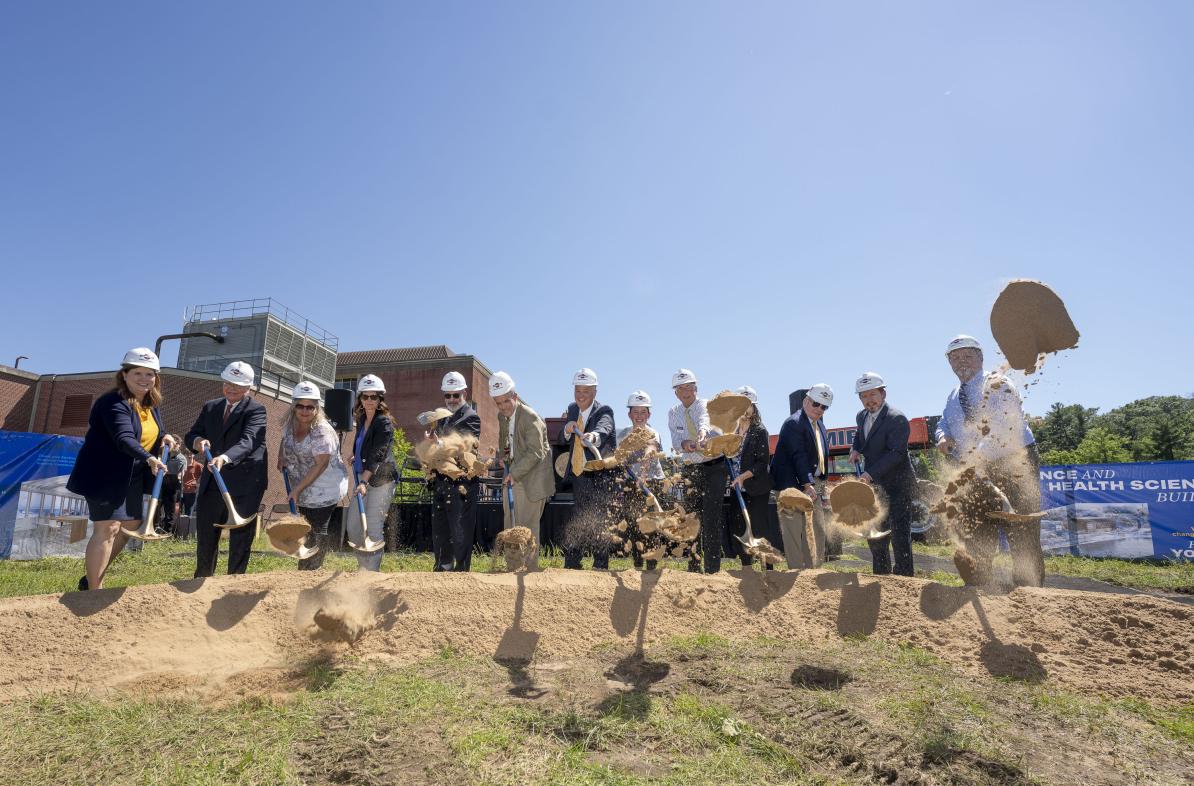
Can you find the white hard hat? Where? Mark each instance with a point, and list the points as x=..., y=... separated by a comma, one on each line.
x=238, y=372
x=305, y=390
x=639, y=398
x=683, y=377
x=585, y=376
x=963, y=342
x=821, y=393
x=749, y=392
x=143, y=357
x=500, y=384
x=453, y=382
x=370, y=384
x=869, y=381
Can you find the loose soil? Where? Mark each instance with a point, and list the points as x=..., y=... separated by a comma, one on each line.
x=203, y=633
x=1028, y=321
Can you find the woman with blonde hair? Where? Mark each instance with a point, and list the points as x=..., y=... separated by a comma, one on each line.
x=119, y=458
x=310, y=455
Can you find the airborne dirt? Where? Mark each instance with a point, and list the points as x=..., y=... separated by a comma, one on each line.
x=1028, y=321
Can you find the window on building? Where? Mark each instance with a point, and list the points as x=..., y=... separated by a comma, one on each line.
x=75, y=410
x=347, y=383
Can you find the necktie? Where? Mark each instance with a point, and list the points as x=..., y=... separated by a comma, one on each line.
x=866, y=427
x=690, y=425
x=578, y=450
x=820, y=450
x=227, y=413
x=965, y=400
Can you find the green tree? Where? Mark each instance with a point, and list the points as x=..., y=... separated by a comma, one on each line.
x=403, y=448
x=1063, y=427
x=1156, y=428
x=1100, y=446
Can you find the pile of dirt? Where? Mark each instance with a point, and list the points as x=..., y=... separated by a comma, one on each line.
x=1028, y=321
x=204, y=634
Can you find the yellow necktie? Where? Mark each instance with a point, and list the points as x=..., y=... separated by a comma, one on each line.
x=578, y=449
x=820, y=450
x=692, y=429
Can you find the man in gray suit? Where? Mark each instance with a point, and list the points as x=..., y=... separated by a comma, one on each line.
x=526, y=455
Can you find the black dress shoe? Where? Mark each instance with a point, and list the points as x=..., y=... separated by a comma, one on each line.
x=83, y=585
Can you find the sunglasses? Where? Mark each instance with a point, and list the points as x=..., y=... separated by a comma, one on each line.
x=368, y=397
x=452, y=395
x=819, y=406
x=305, y=407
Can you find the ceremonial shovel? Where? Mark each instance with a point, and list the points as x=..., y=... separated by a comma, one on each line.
x=369, y=545
x=236, y=521
x=293, y=527
x=146, y=530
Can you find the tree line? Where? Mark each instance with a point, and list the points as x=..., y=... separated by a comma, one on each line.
x=1159, y=428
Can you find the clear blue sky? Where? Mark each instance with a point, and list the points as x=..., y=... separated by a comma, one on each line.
x=768, y=193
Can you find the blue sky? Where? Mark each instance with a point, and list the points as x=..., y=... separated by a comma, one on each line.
x=774, y=194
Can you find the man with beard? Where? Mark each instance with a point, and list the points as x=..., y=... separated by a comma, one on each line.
x=453, y=516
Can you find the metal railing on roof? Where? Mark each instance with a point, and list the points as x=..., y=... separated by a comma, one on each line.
x=240, y=309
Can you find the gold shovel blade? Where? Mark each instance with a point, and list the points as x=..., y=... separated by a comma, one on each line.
x=146, y=530
x=235, y=521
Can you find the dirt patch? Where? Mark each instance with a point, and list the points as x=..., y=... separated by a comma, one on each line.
x=1028, y=321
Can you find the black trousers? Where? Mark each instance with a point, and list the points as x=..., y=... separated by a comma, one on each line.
x=318, y=518
x=171, y=490
x=632, y=505
x=591, y=496
x=704, y=491
x=899, y=521
x=212, y=511
x=454, y=523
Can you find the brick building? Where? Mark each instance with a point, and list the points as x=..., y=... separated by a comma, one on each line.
x=412, y=377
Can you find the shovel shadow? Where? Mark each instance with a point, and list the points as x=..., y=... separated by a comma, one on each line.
x=517, y=648
x=229, y=610
x=759, y=589
x=635, y=670
x=1010, y=661
x=84, y=604
x=858, y=609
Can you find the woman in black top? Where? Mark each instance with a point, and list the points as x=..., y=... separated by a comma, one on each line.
x=753, y=478
x=373, y=461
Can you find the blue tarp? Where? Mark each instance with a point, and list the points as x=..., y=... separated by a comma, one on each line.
x=26, y=457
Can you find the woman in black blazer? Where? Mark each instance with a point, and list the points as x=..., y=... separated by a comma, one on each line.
x=754, y=478
x=118, y=460
x=373, y=464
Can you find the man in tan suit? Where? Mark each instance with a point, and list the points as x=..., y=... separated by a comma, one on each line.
x=522, y=444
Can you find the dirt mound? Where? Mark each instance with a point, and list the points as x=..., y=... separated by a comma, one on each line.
x=206, y=634
x=1029, y=321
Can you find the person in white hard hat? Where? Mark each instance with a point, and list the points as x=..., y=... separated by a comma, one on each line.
x=119, y=459
x=589, y=432
x=648, y=470
x=233, y=428
x=983, y=426
x=801, y=461
x=753, y=468
x=526, y=459
x=705, y=479
x=309, y=453
x=373, y=466
x=453, y=515
x=881, y=448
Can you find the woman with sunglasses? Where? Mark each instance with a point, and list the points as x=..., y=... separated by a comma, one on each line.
x=753, y=479
x=310, y=454
x=119, y=459
x=373, y=463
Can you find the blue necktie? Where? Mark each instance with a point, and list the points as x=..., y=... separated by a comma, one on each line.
x=965, y=401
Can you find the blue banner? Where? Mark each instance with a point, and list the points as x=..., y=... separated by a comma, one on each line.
x=28, y=457
x=1119, y=510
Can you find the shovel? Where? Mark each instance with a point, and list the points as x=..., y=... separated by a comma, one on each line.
x=749, y=540
x=509, y=493
x=643, y=488
x=874, y=535
x=369, y=545
x=146, y=530
x=236, y=521
x=303, y=552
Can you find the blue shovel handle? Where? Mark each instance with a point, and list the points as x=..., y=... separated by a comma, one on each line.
x=289, y=499
x=737, y=491
x=157, y=483
x=215, y=473
x=360, y=497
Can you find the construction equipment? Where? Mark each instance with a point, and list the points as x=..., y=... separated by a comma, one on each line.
x=235, y=520
x=146, y=530
x=287, y=535
x=368, y=545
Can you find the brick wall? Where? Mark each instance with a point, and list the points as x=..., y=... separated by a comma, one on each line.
x=16, y=398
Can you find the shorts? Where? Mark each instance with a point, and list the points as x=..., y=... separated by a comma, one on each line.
x=127, y=509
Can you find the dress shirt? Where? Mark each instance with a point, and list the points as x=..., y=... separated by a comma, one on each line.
x=996, y=407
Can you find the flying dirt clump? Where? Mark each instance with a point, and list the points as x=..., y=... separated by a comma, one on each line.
x=288, y=533
x=1028, y=321
x=516, y=546
x=723, y=445
x=726, y=409
x=453, y=455
x=794, y=499
x=854, y=503
x=342, y=614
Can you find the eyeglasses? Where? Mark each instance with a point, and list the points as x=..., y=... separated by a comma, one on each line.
x=305, y=407
x=453, y=395
x=819, y=405
x=368, y=397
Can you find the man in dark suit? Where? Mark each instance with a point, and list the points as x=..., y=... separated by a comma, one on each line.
x=589, y=427
x=800, y=461
x=233, y=428
x=454, y=515
x=881, y=442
